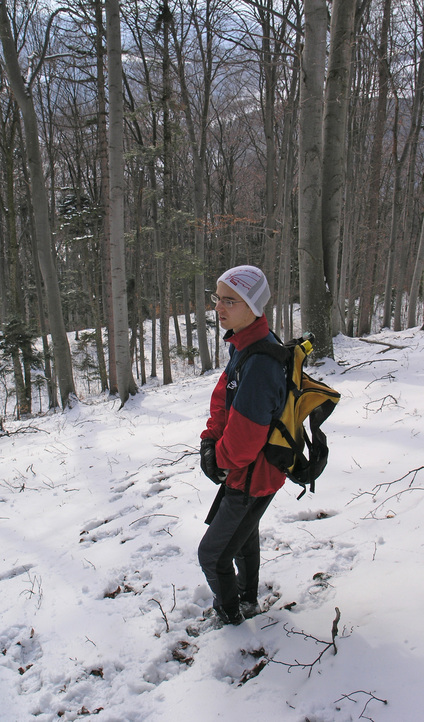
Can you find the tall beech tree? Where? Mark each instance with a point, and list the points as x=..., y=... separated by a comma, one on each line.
x=369, y=245
x=335, y=145
x=104, y=196
x=22, y=90
x=315, y=299
x=197, y=118
x=126, y=383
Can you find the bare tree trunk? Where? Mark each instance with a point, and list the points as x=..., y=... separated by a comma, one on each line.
x=153, y=371
x=366, y=296
x=268, y=104
x=405, y=208
x=93, y=285
x=271, y=56
x=50, y=380
x=315, y=301
x=416, y=281
x=283, y=292
x=334, y=152
x=126, y=383
x=21, y=406
x=104, y=185
x=164, y=261
x=24, y=99
x=141, y=345
x=198, y=147
x=48, y=372
x=396, y=212
x=187, y=316
x=285, y=182
x=346, y=263
x=15, y=314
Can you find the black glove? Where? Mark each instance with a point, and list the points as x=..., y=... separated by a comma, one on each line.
x=208, y=462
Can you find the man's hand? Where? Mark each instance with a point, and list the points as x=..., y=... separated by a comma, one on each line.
x=208, y=462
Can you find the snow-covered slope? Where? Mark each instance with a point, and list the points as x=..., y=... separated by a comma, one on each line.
x=101, y=512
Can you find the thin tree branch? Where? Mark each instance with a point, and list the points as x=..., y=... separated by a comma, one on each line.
x=328, y=645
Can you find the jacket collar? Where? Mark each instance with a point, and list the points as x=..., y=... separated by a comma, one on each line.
x=254, y=332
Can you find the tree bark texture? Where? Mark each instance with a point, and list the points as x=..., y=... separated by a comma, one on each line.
x=416, y=280
x=314, y=299
x=369, y=253
x=334, y=153
x=402, y=206
x=104, y=185
x=198, y=149
x=126, y=383
x=24, y=99
x=165, y=230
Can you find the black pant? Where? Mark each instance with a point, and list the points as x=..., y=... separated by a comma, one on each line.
x=233, y=535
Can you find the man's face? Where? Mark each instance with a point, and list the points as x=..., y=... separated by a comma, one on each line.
x=235, y=317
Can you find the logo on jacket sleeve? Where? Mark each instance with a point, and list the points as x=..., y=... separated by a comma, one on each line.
x=232, y=385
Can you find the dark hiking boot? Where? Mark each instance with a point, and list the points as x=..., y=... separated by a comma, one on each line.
x=234, y=617
x=250, y=609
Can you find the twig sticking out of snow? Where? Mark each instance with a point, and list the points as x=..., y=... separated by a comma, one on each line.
x=370, y=695
x=386, y=485
x=327, y=645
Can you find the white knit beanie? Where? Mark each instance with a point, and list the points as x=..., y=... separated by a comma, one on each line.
x=251, y=284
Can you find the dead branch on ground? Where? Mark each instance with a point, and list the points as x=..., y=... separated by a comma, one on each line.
x=165, y=618
x=148, y=516
x=371, y=697
x=28, y=429
x=386, y=377
x=386, y=485
x=164, y=615
x=327, y=646
x=383, y=343
x=366, y=363
x=182, y=454
x=391, y=401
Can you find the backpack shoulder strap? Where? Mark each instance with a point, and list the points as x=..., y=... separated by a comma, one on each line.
x=275, y=350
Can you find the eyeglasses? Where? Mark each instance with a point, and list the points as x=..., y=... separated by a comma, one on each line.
x=228, y=302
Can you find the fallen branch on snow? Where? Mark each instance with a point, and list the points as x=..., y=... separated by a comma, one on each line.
x=386, y=485
x=327, y=646
x=148, y=516
x=387, y=400
x=383, y=343
x=165, y=618
x=164, y=615
x=181, y=454
x=28, y=429
x=370, y=695
x=366, y=363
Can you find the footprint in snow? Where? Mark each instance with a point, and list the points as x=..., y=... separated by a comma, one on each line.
x=127, y=583
x=174, y=660
x=157, y=485
x=311, y=515
x=20, y=651
x=92, y=530
x=15, y=572
x=119, y=487
x=99, y=535
x=166, y=552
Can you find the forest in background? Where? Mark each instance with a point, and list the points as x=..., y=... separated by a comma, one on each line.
x=146, y=147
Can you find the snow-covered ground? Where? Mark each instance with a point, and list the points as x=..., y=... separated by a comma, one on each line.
x=101, y=512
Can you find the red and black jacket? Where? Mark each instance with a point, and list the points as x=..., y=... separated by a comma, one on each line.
x=241, y=410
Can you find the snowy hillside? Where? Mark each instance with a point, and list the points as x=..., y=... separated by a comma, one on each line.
x=101, y=512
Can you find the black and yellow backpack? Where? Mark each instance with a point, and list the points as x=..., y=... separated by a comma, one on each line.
x=289, y=447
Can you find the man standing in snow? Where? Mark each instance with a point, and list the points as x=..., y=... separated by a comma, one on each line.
x=242, y=408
